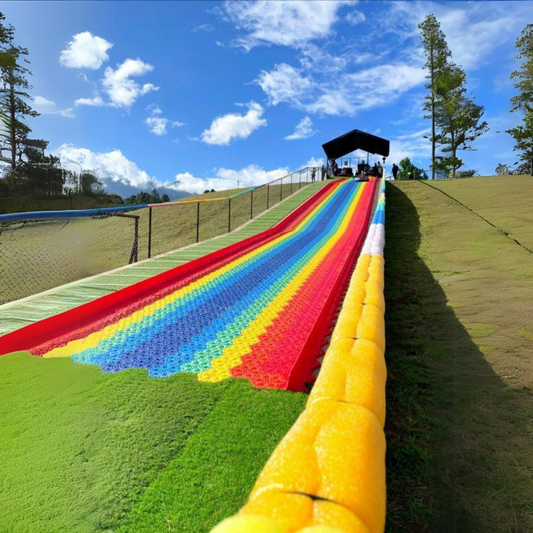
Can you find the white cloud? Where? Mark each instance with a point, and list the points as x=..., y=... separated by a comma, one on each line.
x=48, y=107
x=303, y=130
x=118, y=83
x=207, y=28
x=315, y=162
x=284, y=22
x=340, y=95
x=43, y=105
x=96, y=101
x=414, y=145
x=158, y=124
x=473, y=29
x=284, y=84
x=355, y=17
x=230, y=127
x=226, y=178
x=113, y=165
x=67, y=113
x=380, y=85
x=85, y=51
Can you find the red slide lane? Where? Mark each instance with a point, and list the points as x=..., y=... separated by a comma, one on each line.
x=79, y=322
x=267, y=365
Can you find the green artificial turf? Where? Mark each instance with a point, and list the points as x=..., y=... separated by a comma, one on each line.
x=213, y=475
x=80, y=449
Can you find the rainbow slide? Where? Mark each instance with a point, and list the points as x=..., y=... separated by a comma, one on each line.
x=259, y=309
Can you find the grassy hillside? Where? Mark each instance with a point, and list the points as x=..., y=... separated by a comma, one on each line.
x=21, y=204
x=514, y=214
x=459, y=344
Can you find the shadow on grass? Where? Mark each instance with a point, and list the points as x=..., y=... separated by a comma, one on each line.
x=449, y=416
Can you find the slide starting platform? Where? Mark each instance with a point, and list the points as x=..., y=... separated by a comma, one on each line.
x=259, y=309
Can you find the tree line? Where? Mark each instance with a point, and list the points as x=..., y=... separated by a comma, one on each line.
x=25, y=166
x=456, y=119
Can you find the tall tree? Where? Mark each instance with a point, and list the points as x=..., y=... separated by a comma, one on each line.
x=37, y=172
x=409, y=171
x=523, y=101
x=437, y=54
x=457, y=117
x=13, y=96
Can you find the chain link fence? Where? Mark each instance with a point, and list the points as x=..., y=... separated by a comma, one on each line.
x=40, y=251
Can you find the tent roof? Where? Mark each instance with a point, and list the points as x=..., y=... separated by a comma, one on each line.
x=355, y=140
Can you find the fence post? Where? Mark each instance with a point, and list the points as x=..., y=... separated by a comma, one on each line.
x=268, y=195
x=229, y=215
x=281, y=190
x=252, y=204
x=198, y=222
x=149, y=232
x=134, y=257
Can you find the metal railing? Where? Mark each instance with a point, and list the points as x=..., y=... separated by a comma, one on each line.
x=42, y=250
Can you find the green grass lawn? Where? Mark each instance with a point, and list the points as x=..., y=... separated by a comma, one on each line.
x=87, y=451
x=514, y=215
x=459, y=344
x=45, y=254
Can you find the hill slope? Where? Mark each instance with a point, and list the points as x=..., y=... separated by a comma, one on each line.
x=460, y=339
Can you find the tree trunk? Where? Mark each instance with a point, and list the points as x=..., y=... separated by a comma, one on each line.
x=454, y=153
x=12, y=129
x=432, y=115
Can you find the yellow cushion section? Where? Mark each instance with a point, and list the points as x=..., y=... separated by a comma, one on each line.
x=291, y=511
x=356, y=293
x=374, y=295
x=347, y=321
x=378, y=260
x=336, y=451
x=361, y=269
x=371, y=325
x=296, y=511
x=376, y=274
x=355, y=375
x=248, y=524
x=329, y=516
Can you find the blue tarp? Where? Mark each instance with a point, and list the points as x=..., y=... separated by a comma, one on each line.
x=77, y=213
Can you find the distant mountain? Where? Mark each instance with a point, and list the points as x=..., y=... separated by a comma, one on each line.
x=126, y=189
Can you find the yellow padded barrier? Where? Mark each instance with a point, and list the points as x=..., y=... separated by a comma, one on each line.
x=249, y=524
x=376, y=274
x=327, y=529
x=374, y=295
x=295, y=512
x=347, y=322
x=334, y=451
x=356, y=293
x=355, y=374
x=371, y=325
x=361, y=268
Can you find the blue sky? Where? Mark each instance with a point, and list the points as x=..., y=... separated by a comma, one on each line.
x=205, y=93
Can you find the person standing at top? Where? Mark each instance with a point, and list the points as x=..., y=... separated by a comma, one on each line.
x=379, y=169
x=395, y=169
x=323, y=171
x=313, y=174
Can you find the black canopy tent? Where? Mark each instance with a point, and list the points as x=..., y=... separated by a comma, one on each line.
x=356, y=140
